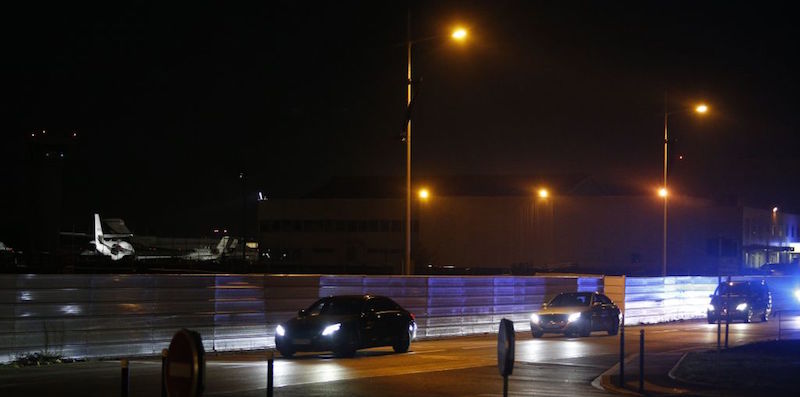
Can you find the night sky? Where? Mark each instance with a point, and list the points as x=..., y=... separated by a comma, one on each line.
x=172, y=102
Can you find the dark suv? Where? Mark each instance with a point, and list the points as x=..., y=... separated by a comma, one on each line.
x=740, y=301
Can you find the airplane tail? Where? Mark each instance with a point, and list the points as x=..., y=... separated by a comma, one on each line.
x=98, y=229
x=223, y=243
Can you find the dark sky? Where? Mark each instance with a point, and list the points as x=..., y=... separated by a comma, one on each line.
x=171, y=102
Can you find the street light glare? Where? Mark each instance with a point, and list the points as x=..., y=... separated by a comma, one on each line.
x=701, y=108
x=543, y=193
x=423, y=193
x=662, y=192
x=459, y=34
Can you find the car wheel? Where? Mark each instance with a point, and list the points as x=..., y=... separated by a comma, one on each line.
x=286, y=352
x=586, y=330
x=537, y=334
x=347, y=348
x=614, y=329
x=402, y=342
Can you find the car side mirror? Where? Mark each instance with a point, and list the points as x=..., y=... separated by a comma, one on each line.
x=597, y=304
x=544, y=305
x=301, y=312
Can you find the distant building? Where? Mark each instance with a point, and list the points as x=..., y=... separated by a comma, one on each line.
x=501, y=224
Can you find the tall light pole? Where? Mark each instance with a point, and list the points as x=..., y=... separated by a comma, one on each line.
x=664, y=191
x=458, y=34
x=407, y=269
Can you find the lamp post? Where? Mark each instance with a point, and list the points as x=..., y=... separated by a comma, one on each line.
x=458, y=34
x=664, y=191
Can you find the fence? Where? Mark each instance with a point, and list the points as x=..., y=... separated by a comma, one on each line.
x=134, y=315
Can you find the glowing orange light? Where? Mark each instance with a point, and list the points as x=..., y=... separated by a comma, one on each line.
x=424, y=194
x=662, y=192
x=459, y=34
x=702, y=108
x=543, y=193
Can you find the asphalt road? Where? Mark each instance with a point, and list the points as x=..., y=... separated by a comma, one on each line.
x=465, y=366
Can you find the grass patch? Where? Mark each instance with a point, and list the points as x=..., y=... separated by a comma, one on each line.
x=770, y=365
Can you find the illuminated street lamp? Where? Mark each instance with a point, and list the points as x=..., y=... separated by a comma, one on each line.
x=424, y=194
x=700, y=109
x=543, y=193
x=459, y=34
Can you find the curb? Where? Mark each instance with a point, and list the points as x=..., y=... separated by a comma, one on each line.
x=674, y=377
x=603, y=382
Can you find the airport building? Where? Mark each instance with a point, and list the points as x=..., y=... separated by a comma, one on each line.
x=485, y=225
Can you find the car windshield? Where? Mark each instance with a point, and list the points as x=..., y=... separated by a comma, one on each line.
x=733, y=289
x=335, y=306
x=571, y=299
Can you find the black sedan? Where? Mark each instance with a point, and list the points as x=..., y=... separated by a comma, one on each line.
x=576, y=313
x=740, y=301
x=344, y=324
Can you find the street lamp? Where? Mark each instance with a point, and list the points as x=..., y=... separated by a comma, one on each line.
x=424, y=194
x=543, y=193
x=459, y=34
x=663, y=191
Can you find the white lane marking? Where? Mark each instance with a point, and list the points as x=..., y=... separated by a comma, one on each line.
x=426, y=351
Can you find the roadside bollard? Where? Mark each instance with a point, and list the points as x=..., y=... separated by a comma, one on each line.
x=641, y=361
x=727, y=312
x=164, y=354
x=622, y=353
x=270, y=360
x=125, y=377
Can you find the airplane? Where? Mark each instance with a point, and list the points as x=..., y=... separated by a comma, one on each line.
x=208, y=254
x=204, y=254
x=111, y=245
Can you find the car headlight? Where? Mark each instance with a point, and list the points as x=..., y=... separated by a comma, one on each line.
x=797, y=294
x=535, y=318
x=280, y=331
x=711, y=308
x=741, y=307
x=331, y=329
x=574, y=317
